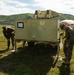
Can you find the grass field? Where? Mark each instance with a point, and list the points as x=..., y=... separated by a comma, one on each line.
x=36, y=60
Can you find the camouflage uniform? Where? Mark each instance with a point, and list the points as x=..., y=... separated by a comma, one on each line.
x=9, y=34
x=70, y=41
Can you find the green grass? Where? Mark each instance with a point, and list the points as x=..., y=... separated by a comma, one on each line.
x=36, y=60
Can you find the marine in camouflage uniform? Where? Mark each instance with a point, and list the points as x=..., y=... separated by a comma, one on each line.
x=68, y=43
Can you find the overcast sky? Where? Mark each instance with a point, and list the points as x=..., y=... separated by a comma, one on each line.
x=9, y=7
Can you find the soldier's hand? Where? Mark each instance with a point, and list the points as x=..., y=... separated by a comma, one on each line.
x=13, y=32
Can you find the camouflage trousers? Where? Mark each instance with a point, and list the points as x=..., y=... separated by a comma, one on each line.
x=68, y=50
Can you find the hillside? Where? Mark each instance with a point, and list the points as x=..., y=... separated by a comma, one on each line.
x=66, y=16
x=10, y=19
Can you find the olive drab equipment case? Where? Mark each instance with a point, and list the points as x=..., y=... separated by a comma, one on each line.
x=41, y=28
x=45, y=14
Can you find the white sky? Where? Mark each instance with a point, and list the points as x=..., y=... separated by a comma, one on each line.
x=9, y=7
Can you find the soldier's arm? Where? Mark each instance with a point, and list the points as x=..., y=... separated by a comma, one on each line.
x=5, y=34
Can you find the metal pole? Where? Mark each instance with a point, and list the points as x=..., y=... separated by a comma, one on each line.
x=15, y=46
x=57, y=55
